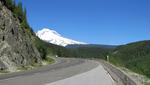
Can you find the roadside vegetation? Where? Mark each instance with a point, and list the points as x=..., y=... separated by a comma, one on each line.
x=90, y=52
x=134, y=56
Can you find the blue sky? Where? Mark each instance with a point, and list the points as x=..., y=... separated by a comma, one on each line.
x=93, y=21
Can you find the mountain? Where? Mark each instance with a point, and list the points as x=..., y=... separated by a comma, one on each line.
x=53, y=37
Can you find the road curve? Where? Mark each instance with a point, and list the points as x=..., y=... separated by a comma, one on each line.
x=58, y=73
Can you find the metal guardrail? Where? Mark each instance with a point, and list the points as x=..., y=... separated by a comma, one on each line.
x=119, y=77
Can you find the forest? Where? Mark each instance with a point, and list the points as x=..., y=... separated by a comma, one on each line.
x=134, y=56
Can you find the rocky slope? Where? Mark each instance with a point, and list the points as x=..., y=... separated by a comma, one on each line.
x=16, y=46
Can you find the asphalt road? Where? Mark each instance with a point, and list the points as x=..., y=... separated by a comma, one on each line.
x=63, y=70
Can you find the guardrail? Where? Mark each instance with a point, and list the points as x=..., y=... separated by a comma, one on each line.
x=120, y=77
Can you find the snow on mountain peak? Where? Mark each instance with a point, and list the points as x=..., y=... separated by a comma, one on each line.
x=46, y=30
x=54, y=37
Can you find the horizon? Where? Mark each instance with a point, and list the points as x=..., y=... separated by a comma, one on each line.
x=109, y=23
x=89, y=43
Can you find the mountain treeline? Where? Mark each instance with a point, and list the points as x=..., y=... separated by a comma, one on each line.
x=134, y=56
x=90, y=52
x=79, y=52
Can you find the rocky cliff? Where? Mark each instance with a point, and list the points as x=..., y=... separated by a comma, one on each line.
x=16, y=46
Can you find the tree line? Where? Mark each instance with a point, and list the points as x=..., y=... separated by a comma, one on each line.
x=18, y=11
x=134, y=56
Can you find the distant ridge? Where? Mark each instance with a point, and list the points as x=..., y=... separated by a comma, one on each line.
x=91, y=45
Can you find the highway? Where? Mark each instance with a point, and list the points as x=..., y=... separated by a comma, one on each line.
x=63, y=72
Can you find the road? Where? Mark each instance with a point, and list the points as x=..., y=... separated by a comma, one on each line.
x=64, y=72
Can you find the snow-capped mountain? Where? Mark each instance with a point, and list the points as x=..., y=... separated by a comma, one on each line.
x=53, y=37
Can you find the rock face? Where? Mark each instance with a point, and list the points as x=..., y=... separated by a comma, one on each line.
x=16, y=46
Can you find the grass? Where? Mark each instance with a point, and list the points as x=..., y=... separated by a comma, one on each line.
x=47, y=61
x=146, y=83
x=3, y=71
x=142, y=78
